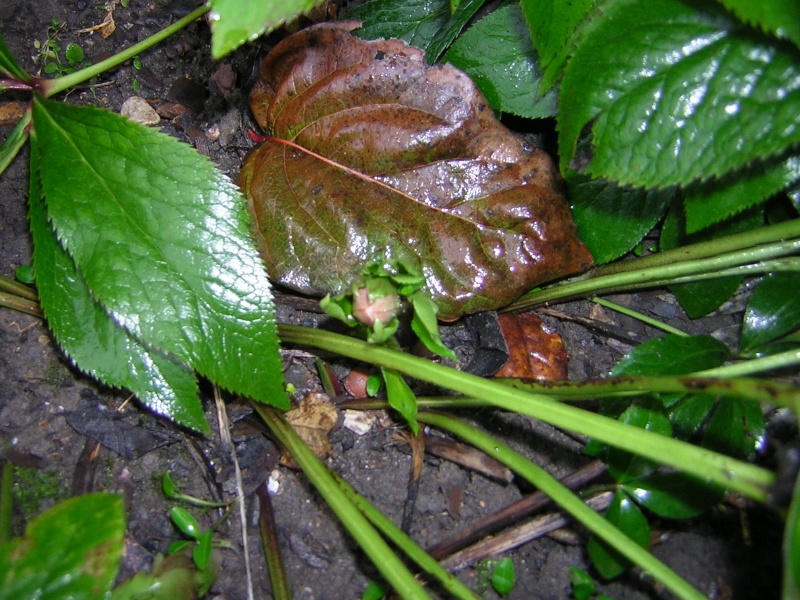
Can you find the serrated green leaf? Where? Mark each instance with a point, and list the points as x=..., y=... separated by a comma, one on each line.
x=92, y=339
x=498, y=55
x=70, y=551
x=623, y=513
x=426, y=24
x=773, y=310
x=234, y=22
x=674, y=495
x=162, y=241
x=791, y=548
x=712, y=202
x=672, y=355
x=14, y=142
x=612, y=219
x=699, y=299
x=674, y=93
x=553, y=25
x=401, y=398
x=778, y=17
x=736, y=428
x=9, y=65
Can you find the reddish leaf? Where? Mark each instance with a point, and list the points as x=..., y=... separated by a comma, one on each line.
x=390, y=159
x=533, y=351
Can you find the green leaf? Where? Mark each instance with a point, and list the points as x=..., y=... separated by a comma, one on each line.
x=201, y=554
x=672, y=355
x=791, y=548
x=674, y=93
x=582, y=584
x=168, y=486
x=498, y=55
x=70, y=551
x=503, y=576
x=9, y=65
x=553, y=25
x=91, y=338
x=162, y=241
x=15, y=140
x=699, y=299
x=778, y=17
x=736, y=428
x=426, y=24
x=184, y=521
x=773, y=310
x=710, y=202
x=426, y=326
x=173, y=577
x=73, y=53
x=612, y=219
x=623, y=513
x=646, y=414
x=234, y=22
x=373, y=591
x=401, y=398
x=689, y=413
x=674, y=495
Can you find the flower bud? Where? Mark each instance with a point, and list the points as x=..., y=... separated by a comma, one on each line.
x=381, y=309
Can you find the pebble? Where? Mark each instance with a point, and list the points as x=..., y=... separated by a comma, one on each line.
x=139, y=111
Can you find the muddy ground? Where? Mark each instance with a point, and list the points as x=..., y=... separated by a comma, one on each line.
x=81, y=436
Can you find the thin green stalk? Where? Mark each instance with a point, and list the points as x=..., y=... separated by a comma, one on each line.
x=624, y=310
x=704, y=464
x=429, y=564
x=24, y=305
x=781, y=360
x=6, y=502
x=568, y=501
x=18, y=289
x=49, y=87
x=749, y=261
x=382, y=556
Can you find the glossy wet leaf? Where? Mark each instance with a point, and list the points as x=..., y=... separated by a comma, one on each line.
x=534, y=350
x=391, y=160
x=688, y=414
x=673, y=495
x=673, y=93
x=773, y=311
x=498, y=55
x=623, y=513
x=431, y=25
x=184, y=521
x=672, y=355
x=736, y=428
x=646, y=414
x=92, y=339
x=162, y=242
x=612, y=219
x=234, y=22
x=401, y=398
x=778, y=17
x=70, y=551
x=553, y=25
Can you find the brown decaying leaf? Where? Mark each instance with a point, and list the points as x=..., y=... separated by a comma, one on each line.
x=313, y=420
x=388, y=158
x=534, y=352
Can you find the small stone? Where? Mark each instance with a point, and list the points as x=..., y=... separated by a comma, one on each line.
x=139, y=111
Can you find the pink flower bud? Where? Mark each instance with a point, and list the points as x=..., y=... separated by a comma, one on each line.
x=381, y=309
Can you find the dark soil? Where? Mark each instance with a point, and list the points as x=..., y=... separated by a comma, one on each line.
x=57, y=421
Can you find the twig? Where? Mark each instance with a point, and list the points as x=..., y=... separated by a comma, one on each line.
x=272, y=547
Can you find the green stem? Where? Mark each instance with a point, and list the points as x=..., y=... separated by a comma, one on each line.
x=405, y=543
x=281, y=590
x=708, y=466
x=49, y=87
x=6, y=501
x=382, y=556
x=21, y=304
x=781, y=360
x=545, y=482
x=639, y=316
x=18, y=289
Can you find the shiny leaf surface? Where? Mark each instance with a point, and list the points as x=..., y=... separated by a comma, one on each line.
x=162, y=242
x=70, y=551
x=674, y=495
x=778, y=17
x=773, y=310
x=623, y=513
x=736, y=428
x=674, y=92
x=672, y=355
x=390, y=160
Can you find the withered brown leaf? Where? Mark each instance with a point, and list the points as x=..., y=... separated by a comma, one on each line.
x=375, y=156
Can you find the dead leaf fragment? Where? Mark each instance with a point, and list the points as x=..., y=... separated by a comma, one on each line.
x=534, y=352
x=11, y=113
x=376, y=156
x=313, y=420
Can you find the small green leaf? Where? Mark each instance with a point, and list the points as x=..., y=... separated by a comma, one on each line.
x=646, y=414
x=201, y=554
x=25, y=274
x=672, y=355
x=773, y=310
x=137, y=63
x=498, y=55
x=623, y=513
x=426, y=326
x=504, y=576
x=736, y=428
x=178, y=545
x=674, y=495
x=70, y=551
x=666, y=85
x=73, y=53
x=611, y=219
x=168, y=486
x=184, y=521
x=778, y=17
x=373, y=591
x=688, y=414
x=373, y=385
x=162, y=241
x=582, y=584
x=234, y=22
x=9, y=65
x=401, y=398
x=791, y=548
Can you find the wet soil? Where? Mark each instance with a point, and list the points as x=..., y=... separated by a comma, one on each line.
x=57, y=421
